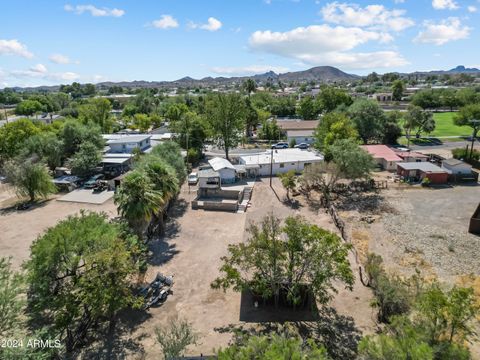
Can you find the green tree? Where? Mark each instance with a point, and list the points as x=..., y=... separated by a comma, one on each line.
x=164, y=179
x=289, y=181
x=137, y=201
x=74, y=133
x=278, y=260
x=269, y=130
x=97, y=111
x=273, y=347
x=175, y=338
x=418, y=121
x=368, y=118
x=307, y=108
x=86, y=159
x=398, y=88
x=142, y=122
x=249, y=86
x=391, y=127
x=29, y=107
x=466, y=115
x=332, y=127
x=13, y=137
x=29, y=178
x=427, y=99
x=47, y=146
x=80, y=271
x=330, y=98
x=11, y=299
x=226, y=115
x=352, y=161
x=171, y=153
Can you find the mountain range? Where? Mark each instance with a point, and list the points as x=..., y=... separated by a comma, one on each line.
x=326, y=74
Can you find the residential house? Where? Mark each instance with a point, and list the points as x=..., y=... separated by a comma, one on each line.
x=297, y=124
x=125, y=144
x=283, y=160
x=384, y=156
x=417, y=171
x=301, y=136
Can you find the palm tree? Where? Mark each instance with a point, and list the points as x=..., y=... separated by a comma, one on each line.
x=138, y=200
x=250, y=86
x=164, y=179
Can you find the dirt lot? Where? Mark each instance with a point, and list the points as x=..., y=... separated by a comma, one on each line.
x=425, y=229
x=410, y=228
x=191, y=251
x=18, y=229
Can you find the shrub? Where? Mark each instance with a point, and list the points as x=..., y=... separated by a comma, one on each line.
x=292, y=143
x=464, y=154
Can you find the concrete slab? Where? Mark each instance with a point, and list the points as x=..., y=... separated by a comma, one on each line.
x=87, y=196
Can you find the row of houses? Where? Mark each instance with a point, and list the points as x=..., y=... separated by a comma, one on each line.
x=415, y=166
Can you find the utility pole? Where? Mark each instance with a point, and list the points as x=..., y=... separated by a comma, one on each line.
x=271, y=166
x=476, y=125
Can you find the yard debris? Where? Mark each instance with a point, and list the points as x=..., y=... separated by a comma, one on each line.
x=157, y=291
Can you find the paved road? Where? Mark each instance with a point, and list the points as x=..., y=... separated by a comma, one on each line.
x=445, y=145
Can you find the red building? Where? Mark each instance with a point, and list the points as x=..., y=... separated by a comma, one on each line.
x=417, y=171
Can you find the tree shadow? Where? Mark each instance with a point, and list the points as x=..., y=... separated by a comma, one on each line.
x=23, y=207
x=117, y=343
x=161, y=247
x=338, y=333
x=371, y=202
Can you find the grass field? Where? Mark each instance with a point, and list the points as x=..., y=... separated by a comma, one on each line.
x=446, y=127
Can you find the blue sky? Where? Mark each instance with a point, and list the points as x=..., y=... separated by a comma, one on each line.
x=51, y=41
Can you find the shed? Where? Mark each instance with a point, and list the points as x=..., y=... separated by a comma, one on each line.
x=417, y=171
x=224, y=168
x=456, y=167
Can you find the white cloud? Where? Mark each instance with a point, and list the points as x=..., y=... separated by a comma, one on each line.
x=326, y=45
x=39, y=68
x=440, y=33
x=314, y=38
x=165, y=22
x=373, y=16
x=94, y=11
x=40, y=72
x=60, y=59
x=444, y=4
x=249, y=70
x=14, y=47
x=211, y=25
x=472, y=9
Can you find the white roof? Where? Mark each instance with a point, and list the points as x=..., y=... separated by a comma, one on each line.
x=422, y=166
x=282, y=156
x=218, y=163
x=129, y=139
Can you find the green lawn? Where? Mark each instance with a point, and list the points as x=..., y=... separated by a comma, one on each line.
x=446, y=127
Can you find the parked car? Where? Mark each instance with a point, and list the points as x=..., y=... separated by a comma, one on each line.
x=193, y=178
x=280, y=145
x=90, y=184
x=301, y=146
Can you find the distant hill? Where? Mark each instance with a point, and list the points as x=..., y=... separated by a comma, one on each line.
x=460, y=69
x=319, y=74
x=324, y=74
